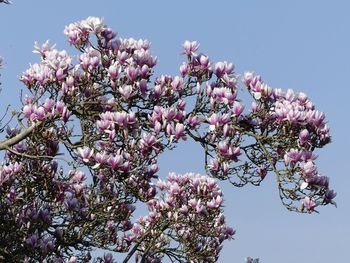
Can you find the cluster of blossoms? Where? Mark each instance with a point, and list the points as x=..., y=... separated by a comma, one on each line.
x=303, y=162
x=290, y=109
x=190, y=211
x=103, y=114
x=302, y=128
x=170, y=120
x=53, y=67
x=7, y=172
x=78, y=33
x=49, y=109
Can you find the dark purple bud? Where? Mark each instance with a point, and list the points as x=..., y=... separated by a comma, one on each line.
x=32, y=240
x=108, y=258
x=72, y=204
x=330, y=195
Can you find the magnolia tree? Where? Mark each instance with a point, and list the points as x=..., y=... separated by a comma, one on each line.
x=83, y=152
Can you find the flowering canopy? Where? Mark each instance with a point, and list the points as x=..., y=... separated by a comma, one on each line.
x=96, y=125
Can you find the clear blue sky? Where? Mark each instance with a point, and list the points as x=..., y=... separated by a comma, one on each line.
x=304, y=45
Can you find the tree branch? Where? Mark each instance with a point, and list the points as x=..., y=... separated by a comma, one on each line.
x=4, y=145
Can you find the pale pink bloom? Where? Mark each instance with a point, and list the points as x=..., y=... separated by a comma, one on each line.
x=180, y=131
x=93, y=24
x=190, y=47
x=39, y=114
x=237, y=108
x=292, y=156
x=132, y=73
x=28, y=110
x=177, y=83
x=304, y=136
x=193, y=121
x=290, y=95
x=309, y=169
x=278, y=94
x=72, y=260
x=215, y=202
x=116, y=161
x=222, y=68
x=85, y=153
x=302, y=97
x=248, y=77
x=184, y=70
x=214, y=165
x=101, y=158
x=120, y=118
x=309, y=204
x=114, y=70
x=143, y=86
x=214, y=121
x=147, y=142
x=126, y=91
x=49, y=105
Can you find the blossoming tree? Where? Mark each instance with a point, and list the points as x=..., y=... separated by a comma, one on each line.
x=84, y=151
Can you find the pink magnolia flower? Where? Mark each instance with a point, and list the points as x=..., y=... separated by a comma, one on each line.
x=278, y=94
x=126, y=91
x=114, y=70
x=108, y=258
x=66, y=114
x=292, y=156
x=214, y=121
x=193, y=121
x=290, y=95
x=180, y=131
x=215, y=202
x=147, y=143
x=309, y=204
x=304, y=137
x=204, y=62
x=117, y=161
x=302, y=98
x=214, y=166
x=49, y=105
x=224, y=95
x=101, y=158
x=93, y=24
x=237, y=108
x=28, y=110
x=132, y=73
x=85, y=153
x=90, y=59
x=230, y=151
x=184, y=69
x=222, y=68
x=73, y=260
x=309, y=169
x=190, y=47
x=143, y=86
x=177, y=83
x=78, y=177
x=39, y=114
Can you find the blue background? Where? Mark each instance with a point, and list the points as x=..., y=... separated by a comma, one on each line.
x=304, y=45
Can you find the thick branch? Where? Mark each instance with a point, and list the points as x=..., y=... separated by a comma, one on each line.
x=4, y=145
